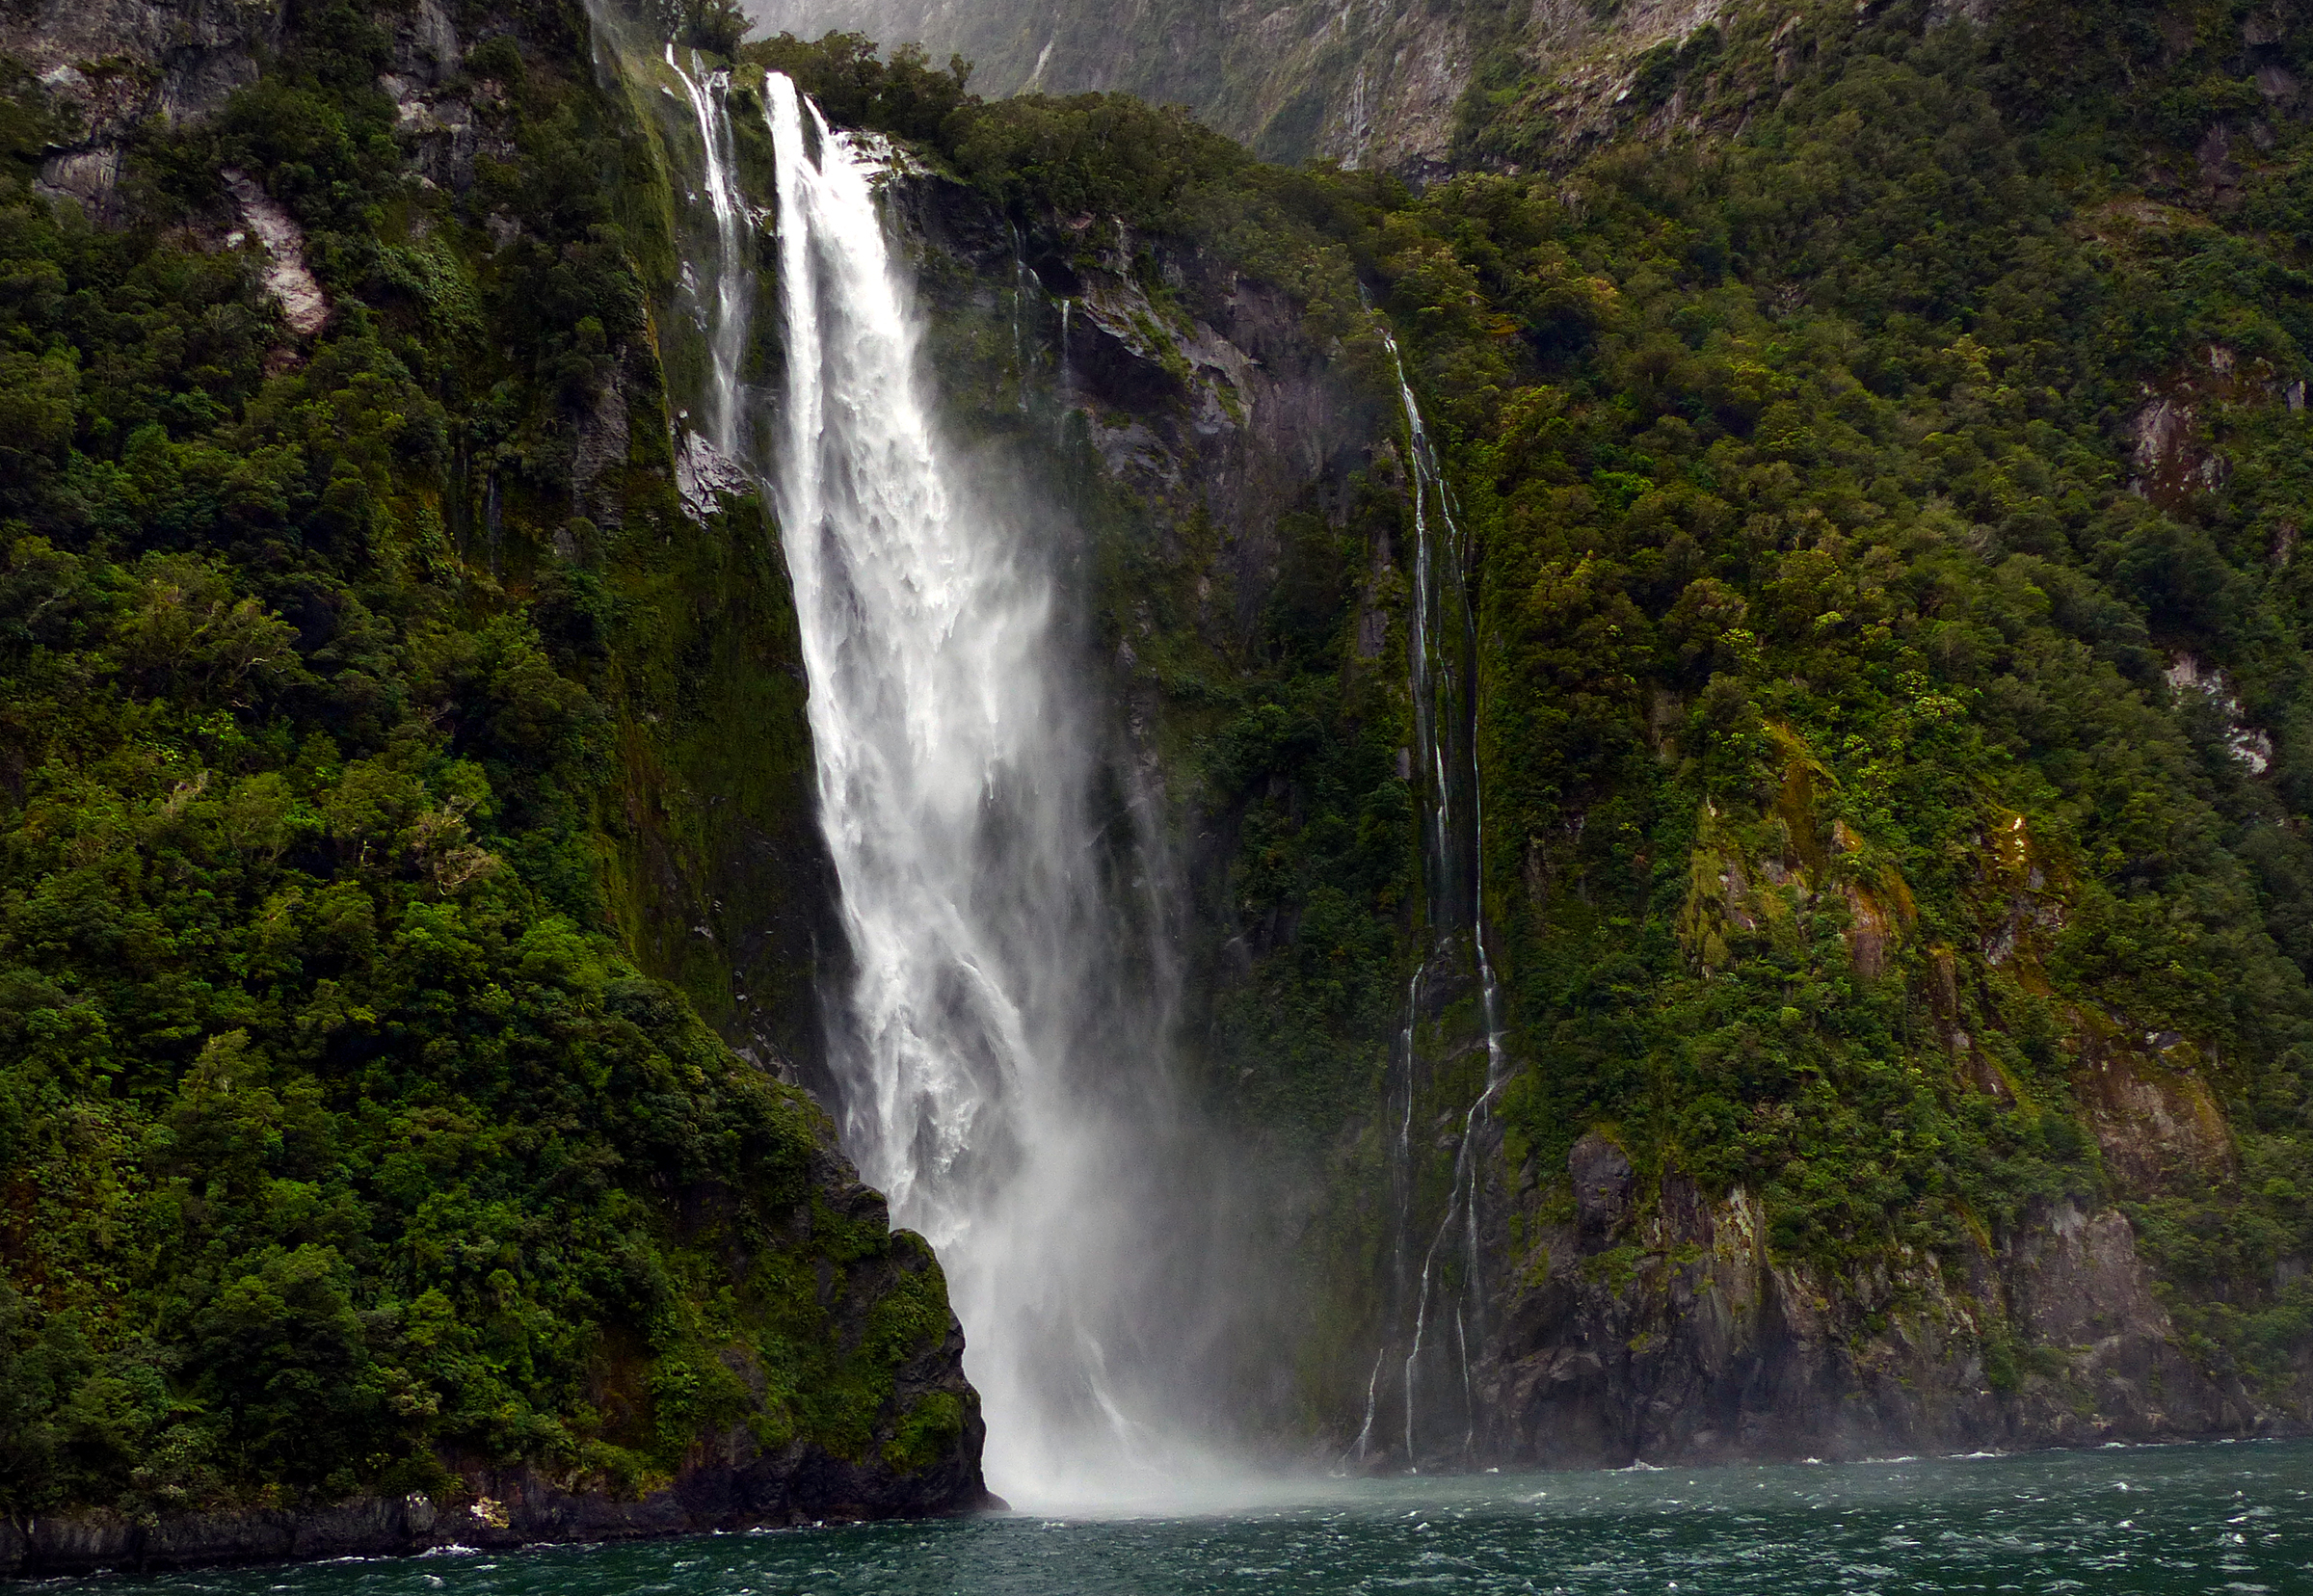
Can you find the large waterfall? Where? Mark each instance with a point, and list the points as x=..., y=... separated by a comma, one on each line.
x=998, y=1051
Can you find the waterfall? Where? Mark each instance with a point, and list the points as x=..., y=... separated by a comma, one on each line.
x=1023, y=283
x=1442, y=660
x=995, y=1068
x=733, y=272
x=1068, y=376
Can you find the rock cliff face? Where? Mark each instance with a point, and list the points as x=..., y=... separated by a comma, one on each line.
x=1661, y=1331
x=1366, y=84
x=1224, y=416
x=1372, y=83
x=1624, y=1316
x=112, y=65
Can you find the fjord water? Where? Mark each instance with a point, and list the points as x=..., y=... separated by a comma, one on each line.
x=2146, y=1522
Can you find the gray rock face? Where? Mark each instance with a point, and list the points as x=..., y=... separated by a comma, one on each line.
x=1230, y=418
x=1661, y=1331
x=1603, y=1182
x=493, y=1510
x=441, y=114
x=1369, y=84
x=111, y=63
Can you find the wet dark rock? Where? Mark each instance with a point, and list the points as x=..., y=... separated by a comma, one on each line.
x=1228, y=416
x=1658, y=1327
x=1057, y=276
x=1602, y=1185
x=500, y=1510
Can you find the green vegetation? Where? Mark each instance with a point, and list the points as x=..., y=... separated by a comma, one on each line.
x=1848, y=826
x=343, y=1143
x=1870, y=435
x=1853, y=825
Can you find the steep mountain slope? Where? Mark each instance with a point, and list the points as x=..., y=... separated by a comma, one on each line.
x=1883, y=701
x=1370, y=83
x=1876, y=437
x=1873, y=449
x=377, y=720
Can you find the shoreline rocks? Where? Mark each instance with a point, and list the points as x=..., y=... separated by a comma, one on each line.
x=495, y=1510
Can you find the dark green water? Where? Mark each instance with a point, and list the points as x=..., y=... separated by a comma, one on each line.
x=2146, y=1521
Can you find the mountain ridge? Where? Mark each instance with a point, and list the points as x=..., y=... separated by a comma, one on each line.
x=1369, y=83
x=1877, y=440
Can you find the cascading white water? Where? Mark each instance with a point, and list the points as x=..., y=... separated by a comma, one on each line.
x=1443, y=632
x=990, y=1012
x=733, y=274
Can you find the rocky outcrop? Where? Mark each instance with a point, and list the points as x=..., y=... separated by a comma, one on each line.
x=287, y=278
x=493, y=1510
x=1224, y=416
x=446, y=116
x=110, y=63
x=1655, y=1326
x=2190, y=677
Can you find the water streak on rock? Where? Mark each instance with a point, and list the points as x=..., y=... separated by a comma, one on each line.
x=1442, y=660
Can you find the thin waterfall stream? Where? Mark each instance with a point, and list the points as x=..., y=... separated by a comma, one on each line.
x=1441, y=657
x=733, y=276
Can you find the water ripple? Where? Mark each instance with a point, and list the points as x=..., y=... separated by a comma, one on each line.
x=2147, y=1522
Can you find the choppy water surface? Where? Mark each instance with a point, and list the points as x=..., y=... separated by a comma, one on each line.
x=2145, y=1521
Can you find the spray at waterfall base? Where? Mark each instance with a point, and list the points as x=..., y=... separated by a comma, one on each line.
x=997, y=1046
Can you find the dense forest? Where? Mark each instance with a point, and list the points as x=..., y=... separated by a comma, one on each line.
x=347, y=1148
x=1878, y=435
x=1881, y=441
x=1884, y=443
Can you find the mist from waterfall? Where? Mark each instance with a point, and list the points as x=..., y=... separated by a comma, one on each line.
x=999, y=1046
x=999, y=1043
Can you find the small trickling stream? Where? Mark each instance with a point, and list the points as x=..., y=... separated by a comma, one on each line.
x=1439, y=1323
